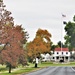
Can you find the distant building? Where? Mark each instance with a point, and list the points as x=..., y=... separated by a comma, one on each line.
x=61, y=53
x=46, y=57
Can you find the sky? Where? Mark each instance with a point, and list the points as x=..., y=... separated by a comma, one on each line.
x=44, y=14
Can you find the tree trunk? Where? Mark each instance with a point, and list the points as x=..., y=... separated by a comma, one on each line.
x=10, y=68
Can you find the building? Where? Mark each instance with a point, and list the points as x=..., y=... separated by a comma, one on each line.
x=46, y=57
x=61, y=54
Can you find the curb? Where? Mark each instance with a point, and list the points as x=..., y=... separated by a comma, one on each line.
x=73, y=69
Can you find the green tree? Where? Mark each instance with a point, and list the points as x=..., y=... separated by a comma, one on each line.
x=53, y=47
x=70, y=34
x=60, y=44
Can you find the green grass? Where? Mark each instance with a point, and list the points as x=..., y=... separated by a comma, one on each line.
x=72, y=63
x=3, y=68
x=30, y=68
x=19, y=70
x=44, y=64
x=24, y=70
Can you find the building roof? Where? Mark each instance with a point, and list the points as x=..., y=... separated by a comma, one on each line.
x=61, y=49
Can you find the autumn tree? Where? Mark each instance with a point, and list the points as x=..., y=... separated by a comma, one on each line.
x=12, y=38
x=40, y=44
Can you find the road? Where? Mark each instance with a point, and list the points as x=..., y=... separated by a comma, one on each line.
x=53, y=71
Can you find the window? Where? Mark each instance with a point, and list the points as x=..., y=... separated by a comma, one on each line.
x=67, y=58
x=62, y=52
x=57, y=52
x=66, y=52
x=57, y=57
x=53, y=57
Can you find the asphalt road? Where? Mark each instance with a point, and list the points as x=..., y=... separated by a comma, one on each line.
x=53, y=71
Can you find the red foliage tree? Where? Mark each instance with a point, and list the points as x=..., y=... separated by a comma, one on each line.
x=12, y=38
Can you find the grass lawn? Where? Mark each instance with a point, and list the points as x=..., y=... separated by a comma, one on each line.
x=56, y=64
x=20, y=70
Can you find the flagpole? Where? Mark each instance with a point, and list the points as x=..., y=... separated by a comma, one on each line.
x=63, y=16
x=61, y=38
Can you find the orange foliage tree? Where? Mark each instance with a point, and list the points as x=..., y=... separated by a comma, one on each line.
x=40, y=44
x=12, y=39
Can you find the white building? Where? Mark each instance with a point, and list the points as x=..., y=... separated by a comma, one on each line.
x=61, y=53
x=46, y=57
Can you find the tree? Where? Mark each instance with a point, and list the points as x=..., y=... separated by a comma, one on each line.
x=12, y=37
x=70, y=34
x=40, y=44
x=60, y=44
x=53, y=47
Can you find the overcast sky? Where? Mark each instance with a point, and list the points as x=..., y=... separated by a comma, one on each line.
x=44, y=14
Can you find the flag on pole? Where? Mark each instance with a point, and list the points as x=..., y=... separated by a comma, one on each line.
x=63, y=15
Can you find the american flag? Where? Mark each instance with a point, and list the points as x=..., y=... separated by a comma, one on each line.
x=63, y=15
